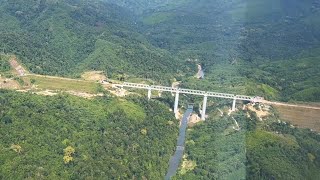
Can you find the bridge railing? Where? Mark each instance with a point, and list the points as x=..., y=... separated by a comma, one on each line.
x=190, y=91
x=187, y=91
x=246, y=98
x=164, y=88
x=135, y=85
x=221, y=95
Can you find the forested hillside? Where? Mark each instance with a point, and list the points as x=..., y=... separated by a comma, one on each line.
x=268, y=48
x=68, y=37
x=268, y=149
x=141, y=6
x=244, y=44
x=66, y=137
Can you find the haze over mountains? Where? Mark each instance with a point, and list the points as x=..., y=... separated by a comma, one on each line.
x=271, y=39
x=154, y=39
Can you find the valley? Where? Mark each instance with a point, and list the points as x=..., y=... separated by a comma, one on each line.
x=92, y=85
x=68, y=111
x=59, y=85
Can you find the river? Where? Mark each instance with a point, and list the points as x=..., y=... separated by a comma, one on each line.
x=176, y=158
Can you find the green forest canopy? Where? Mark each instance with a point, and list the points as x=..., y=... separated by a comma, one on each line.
x=240, y=44
x=66, y=137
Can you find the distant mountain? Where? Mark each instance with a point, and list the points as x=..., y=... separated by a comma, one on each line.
x=68, y=37
x=268, y=48
x=268, y=24
x=236, y=41
x=241, y=44
x=140, y=6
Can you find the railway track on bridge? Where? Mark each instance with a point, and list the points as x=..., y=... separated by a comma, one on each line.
x=178, y=91
x=206, y=94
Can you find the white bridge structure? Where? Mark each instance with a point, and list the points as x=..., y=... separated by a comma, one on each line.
x=177, y=91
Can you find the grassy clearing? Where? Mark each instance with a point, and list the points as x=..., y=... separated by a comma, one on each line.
x=54, y=83
x=94, y=76
x=305, y=118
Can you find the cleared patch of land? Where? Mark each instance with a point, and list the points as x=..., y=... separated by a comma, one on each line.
x=302, y=117
x=19, y=70
x=314, y=106
x=94, y=76
x=194, y=119
x=8, y=83
x=63, y=84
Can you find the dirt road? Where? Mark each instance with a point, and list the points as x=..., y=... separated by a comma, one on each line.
x=291, y=105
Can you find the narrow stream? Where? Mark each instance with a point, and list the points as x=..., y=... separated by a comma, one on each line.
x=176, y=158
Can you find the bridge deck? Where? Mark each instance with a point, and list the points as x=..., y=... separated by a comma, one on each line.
x=186, y=91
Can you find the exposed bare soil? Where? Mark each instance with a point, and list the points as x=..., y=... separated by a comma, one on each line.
x=18, y=69
x=194, y=119
x=120, y=92
x=301, y=117
x=315, y=106
x=8, y=83
x=261, y=113
x=94, y=76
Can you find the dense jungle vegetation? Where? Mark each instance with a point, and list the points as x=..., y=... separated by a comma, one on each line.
x=68, y=37
x=259, y=150
x=268, y=48
x=254, y=47
x=257, y=47
x=66, y=137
